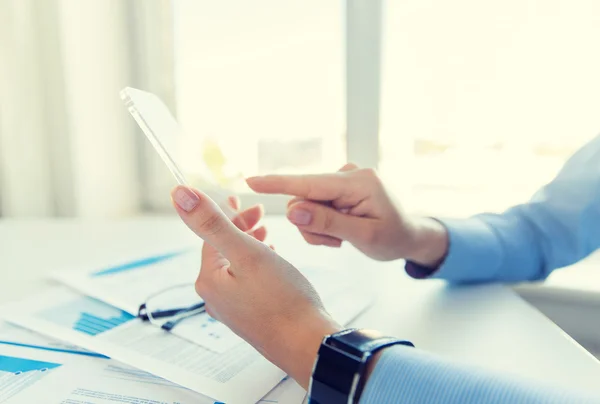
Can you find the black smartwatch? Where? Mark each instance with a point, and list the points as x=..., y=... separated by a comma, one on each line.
x=339, y=371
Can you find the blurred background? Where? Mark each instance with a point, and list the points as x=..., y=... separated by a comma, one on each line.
x=463, y=106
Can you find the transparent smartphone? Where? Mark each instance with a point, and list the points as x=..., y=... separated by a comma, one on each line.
x=163, y=131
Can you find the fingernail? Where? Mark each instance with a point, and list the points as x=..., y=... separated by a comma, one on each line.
x=300, y=217
x=185, y=199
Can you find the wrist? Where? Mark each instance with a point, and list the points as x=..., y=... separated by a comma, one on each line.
x=372, y=363
x=429, y=244
x=296, y=346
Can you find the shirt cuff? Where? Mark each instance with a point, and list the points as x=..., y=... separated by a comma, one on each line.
x=418, y=271
x=473, y=254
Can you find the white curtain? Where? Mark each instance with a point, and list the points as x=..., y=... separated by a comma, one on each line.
x=67, y=144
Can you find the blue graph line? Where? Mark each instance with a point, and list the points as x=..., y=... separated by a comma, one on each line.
x=61, y=350
x=137, y=263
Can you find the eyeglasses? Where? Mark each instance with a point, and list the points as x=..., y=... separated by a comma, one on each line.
x=171, y=306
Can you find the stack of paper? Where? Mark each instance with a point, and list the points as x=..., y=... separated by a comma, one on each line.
x=96, y=309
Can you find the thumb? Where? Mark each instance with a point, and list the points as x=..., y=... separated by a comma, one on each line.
x=321, y=219
x=204, y=217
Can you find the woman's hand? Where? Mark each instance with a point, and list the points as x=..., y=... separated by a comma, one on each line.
x=354, y=205
x=252, y=290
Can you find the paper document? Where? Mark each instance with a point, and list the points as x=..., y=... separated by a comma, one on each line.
x=79, y=377
x=127, y=285
x=239, y=375
x=36, y=369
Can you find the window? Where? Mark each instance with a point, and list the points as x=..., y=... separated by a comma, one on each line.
x=484, y=101
x=480, y=102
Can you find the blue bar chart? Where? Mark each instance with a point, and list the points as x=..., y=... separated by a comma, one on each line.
x=87, y=315
x=94, y=325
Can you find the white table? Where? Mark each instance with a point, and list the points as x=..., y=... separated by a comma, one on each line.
x=486, y=325
x=571, y=298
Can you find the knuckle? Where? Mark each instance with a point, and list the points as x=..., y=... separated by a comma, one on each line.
x=349, y=166
x=310, y=191
x=315, y=187
x=327, y=222
x=251, y=260
x=368, y=172
x=370, y=177
x=211, y=224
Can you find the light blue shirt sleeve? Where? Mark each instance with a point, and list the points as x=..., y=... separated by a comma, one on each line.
x=409, y=375
x=558, y=227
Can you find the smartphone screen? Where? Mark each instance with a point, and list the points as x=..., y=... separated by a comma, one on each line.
x=163, y=131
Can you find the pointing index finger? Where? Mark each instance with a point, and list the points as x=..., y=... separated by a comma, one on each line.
x=320, y=187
